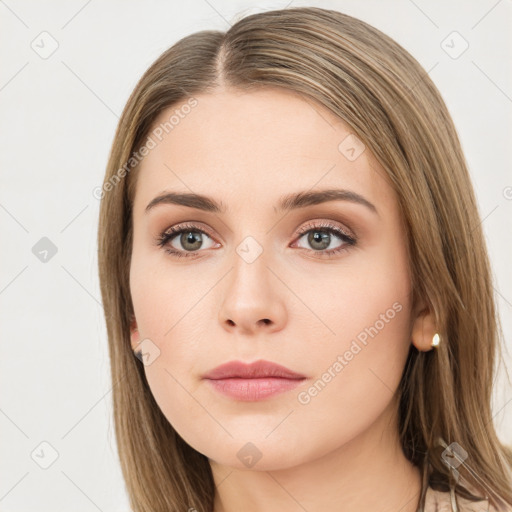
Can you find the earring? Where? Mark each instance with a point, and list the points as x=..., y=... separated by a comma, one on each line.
x=436, y=340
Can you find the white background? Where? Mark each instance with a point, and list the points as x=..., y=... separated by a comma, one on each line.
x=58, y=117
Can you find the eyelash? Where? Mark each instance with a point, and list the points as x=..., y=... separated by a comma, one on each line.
x=166, y=236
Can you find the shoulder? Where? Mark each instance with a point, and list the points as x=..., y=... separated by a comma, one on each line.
x=440, y=501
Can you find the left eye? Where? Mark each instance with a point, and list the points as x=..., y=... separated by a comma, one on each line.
x=321, y=239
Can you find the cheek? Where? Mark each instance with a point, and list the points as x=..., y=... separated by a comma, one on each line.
x=360, y=362
x=163, y=295
x=367, y=298
x=171, y=314
x=360, y=367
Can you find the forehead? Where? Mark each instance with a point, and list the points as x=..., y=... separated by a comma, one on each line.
x=241, y=147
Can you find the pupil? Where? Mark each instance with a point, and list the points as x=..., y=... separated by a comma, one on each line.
x=191, y=238
x=319, y=237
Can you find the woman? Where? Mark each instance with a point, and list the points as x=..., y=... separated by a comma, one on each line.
x=296, y=287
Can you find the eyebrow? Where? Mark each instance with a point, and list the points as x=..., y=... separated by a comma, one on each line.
x=286, y=203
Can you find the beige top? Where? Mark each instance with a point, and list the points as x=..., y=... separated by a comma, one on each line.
x=432, y=500
x=438, y=501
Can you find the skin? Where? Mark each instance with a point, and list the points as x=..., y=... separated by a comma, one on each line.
x=246, y=150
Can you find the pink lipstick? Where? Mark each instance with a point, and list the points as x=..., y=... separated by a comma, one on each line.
x=251, y=382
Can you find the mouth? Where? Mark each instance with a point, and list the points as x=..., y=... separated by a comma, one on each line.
x=252, y=390
x=252, y=382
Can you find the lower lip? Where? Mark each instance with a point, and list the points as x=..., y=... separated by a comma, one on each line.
x=251, y=390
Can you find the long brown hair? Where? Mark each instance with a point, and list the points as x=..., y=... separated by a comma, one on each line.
x=390, y=103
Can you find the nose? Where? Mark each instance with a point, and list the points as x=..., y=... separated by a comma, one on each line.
x=253, y=299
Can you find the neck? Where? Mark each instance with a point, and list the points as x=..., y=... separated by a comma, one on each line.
x=368, y=473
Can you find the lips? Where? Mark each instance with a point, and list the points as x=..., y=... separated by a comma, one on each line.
x=252, y=382
x=258, y=370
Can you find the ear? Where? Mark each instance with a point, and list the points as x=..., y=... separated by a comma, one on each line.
x=423, y=330
x=134, y=333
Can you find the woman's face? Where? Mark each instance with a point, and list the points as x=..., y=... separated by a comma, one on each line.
x=318, y=286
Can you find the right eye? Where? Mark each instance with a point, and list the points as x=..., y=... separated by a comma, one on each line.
x=189, y=236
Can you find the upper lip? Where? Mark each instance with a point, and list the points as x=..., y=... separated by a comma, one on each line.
x=256, y=370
